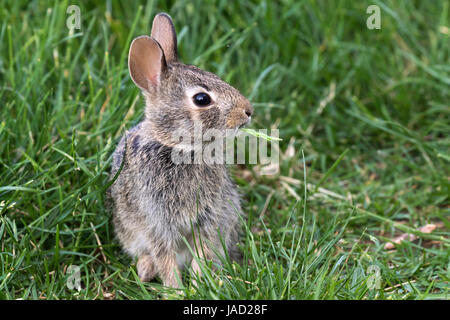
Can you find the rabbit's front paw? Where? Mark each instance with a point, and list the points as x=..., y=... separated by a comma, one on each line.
x=145, y=268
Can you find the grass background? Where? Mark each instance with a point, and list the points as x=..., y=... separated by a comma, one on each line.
x=364, y=117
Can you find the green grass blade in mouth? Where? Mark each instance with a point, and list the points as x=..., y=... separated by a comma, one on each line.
x=260, y=135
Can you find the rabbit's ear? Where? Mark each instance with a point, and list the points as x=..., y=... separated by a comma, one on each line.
x=163, y=31
x=146, y=62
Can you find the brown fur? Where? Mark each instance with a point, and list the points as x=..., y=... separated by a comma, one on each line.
x=158, y=203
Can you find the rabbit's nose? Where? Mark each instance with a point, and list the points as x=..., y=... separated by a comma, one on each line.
x=248, y=110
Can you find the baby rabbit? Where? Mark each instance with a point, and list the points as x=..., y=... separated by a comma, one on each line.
x=158, y=202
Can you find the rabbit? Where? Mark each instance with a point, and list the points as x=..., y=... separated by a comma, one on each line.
x=158, y=203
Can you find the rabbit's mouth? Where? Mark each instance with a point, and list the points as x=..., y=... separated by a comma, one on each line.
x=245, y=123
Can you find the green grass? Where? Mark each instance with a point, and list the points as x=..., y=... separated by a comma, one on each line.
x=363, y=114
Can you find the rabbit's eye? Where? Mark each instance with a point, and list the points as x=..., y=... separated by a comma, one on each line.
x=202, y=99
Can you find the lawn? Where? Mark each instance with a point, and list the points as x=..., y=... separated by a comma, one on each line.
x=364, y=116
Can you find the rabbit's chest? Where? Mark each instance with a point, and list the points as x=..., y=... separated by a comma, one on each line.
x=185, y=194
x=173, y=195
